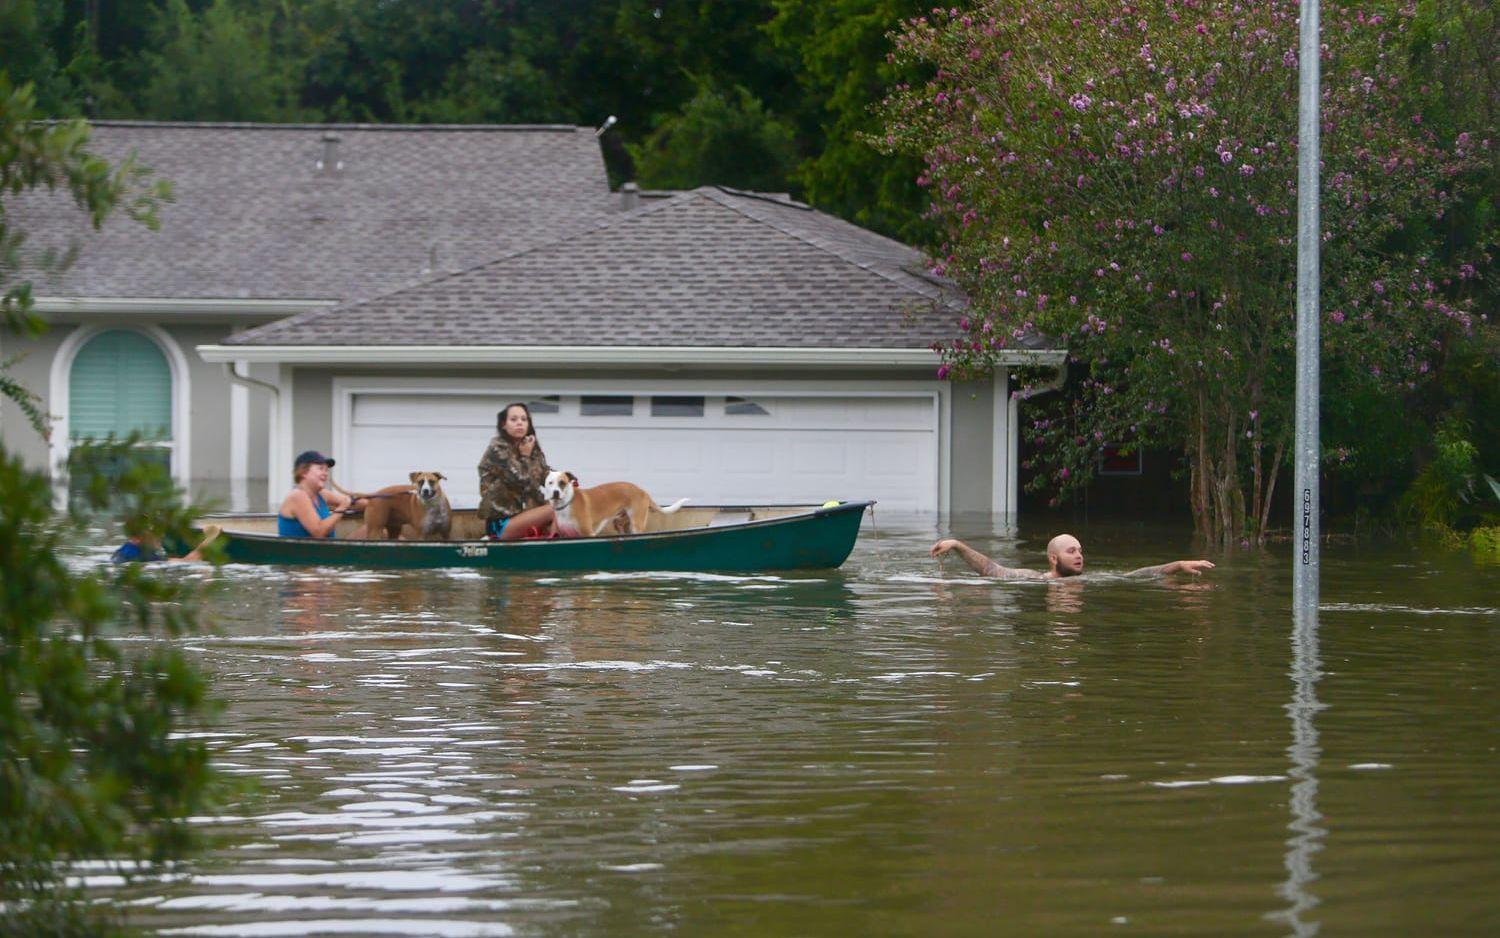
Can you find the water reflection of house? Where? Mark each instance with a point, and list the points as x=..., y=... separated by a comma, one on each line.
x=387, y=289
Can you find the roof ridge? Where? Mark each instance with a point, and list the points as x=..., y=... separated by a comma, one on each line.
x=772, y=197
x=822, y=246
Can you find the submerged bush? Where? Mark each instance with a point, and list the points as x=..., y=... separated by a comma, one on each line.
x=1485, y=542
x=1446, y=487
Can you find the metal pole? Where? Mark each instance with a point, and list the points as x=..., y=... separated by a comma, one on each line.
x=1305, y=562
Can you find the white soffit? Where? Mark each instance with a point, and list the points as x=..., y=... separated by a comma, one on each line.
x=167, y=307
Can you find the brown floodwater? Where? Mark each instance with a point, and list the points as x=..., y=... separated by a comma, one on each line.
x=893, y=748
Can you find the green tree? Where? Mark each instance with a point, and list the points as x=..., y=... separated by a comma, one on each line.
x=29, y=47
x=93, y=763
x=217, y=65
x=844, y=50
x=491, y=88
x=718, y=138
x=1124, y=179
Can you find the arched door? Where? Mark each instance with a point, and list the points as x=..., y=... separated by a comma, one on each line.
x=121, y=383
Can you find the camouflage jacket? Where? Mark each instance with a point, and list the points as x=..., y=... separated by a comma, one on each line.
x=510, y=483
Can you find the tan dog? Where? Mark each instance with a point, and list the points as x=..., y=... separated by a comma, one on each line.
x=590, y=511
x=420, y=504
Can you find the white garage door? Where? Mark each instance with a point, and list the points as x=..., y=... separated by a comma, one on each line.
x=713, y=450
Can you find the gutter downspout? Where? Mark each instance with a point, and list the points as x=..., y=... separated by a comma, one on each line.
x=1055, y=384
x=248, y=382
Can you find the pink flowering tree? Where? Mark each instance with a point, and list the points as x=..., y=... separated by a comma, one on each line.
x=1123, y=177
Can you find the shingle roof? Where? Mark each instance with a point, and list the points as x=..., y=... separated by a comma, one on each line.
x=254, y=217
x=708, y=267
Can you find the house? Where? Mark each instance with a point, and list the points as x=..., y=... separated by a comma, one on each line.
x=381, y=292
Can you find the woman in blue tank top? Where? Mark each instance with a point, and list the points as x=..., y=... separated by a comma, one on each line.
x=305, y=512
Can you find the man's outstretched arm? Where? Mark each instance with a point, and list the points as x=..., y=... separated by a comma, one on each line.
x=978, y=562
x=1195, y=567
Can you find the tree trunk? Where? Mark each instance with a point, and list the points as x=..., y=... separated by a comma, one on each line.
x=1265, y=511
x=1199, y=474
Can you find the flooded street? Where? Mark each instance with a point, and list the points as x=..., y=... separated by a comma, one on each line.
x=891, y=748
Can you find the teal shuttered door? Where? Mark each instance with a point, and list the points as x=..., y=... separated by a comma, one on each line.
x=120, y=384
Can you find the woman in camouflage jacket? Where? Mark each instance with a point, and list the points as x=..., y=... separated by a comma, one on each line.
x=511, y=474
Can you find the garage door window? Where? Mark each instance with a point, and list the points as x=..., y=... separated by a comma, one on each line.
x=550, y=404
x=606, y=405
x=739, y=406
x=676, y=406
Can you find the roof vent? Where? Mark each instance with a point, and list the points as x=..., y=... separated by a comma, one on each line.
x=630, y=197
x=330, y=163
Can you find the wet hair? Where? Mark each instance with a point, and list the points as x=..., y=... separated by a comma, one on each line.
x=530, y=427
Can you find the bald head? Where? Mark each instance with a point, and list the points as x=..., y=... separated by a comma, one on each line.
x=1065, y=556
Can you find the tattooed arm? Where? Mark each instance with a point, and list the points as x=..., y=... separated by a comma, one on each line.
x=979, y=563
x=1195, y=567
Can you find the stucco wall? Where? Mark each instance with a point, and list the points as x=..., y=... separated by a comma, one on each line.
x=974, y=451
x=32, y=372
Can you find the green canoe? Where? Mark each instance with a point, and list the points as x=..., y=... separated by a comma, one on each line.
x=731, y=539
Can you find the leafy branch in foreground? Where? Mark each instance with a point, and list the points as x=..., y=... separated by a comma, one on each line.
x=94, y=762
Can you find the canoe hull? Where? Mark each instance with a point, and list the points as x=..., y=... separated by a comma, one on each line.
x=819, y=538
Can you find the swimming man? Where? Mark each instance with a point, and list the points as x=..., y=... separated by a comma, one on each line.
x=1064, y=559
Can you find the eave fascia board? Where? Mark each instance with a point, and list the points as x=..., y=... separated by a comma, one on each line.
x=175, y=308
x=599, y=355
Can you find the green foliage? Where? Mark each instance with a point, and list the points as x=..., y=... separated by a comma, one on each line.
x=30, y=56
x=1451, y=494
x=214, y=65
x=1484, y=542
x=717, y=137
x=844, y=49
x=93, y=764
x=1123, y=178
x=488, y=87
x=1445, y=488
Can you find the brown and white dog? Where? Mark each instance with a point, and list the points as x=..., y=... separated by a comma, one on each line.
x=420, y=504
x=590, y=511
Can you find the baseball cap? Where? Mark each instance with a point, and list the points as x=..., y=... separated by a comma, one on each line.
x=312, y=456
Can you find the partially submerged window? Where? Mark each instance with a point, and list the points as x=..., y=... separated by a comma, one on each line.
x=737, y=406
x=606, y=405
x=663, y=406
x=120, y=384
